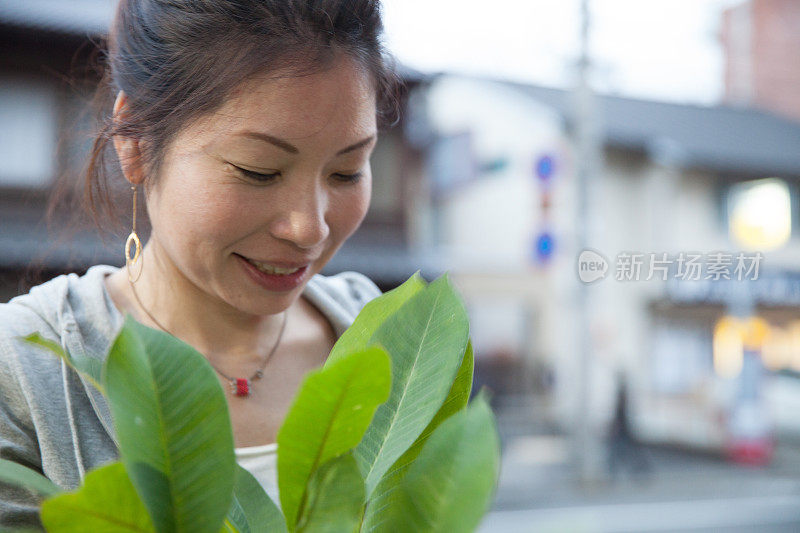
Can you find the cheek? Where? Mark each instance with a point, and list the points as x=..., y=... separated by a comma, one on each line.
x=198, y=212
x=350, y=210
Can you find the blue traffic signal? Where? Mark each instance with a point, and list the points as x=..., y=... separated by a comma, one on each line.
x=544, y=246
x=545, y=167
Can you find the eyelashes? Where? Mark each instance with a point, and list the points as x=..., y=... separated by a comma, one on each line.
x=256, y=175
x=265, y=178
x=349, y=178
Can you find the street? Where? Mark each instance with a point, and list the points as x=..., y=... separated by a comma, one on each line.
x=680, y=490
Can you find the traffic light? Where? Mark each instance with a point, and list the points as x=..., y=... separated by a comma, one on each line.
x=544, y=243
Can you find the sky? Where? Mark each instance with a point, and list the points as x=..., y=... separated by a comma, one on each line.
x=651, y=49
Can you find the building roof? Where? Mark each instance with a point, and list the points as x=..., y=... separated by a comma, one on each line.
x=723, y=138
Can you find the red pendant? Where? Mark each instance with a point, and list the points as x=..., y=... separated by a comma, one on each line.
x=242, y=387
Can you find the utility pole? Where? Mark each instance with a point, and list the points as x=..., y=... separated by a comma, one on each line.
x=586, y=443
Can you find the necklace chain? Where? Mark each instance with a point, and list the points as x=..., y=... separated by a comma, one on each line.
x=256, y=375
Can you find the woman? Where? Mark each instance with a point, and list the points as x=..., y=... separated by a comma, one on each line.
x=247, y=128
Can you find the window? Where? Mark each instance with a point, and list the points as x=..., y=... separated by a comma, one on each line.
x=28, y=136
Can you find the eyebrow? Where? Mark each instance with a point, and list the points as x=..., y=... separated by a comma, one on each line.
x=280, y=143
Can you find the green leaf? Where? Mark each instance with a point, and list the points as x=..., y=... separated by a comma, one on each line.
x=372, y=315
x=16, y=474
x=427, y=338
x=236, y=519
x=335, y=497
x=252, y=510
x=450, y=486
x=333, y=407
x=171, y=419
x=228, y=527
x=456, y=400
x=107, y=501
x=89, y=367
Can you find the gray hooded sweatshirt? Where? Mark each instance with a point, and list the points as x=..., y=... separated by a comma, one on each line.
x=55, y=421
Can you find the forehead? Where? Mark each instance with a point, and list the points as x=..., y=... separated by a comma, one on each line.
x=336, y=102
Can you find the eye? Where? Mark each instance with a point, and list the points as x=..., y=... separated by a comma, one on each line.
x=257, y=176
x=348, y=178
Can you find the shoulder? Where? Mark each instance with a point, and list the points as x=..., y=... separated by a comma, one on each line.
x=24, y=369
x=54, y=309
x=341, y=296
x=43, y=309
x=352, y=288
x=38, y=308
x=20, y=317
x=21, y=362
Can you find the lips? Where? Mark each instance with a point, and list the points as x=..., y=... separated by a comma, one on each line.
x=281, y=263
x=269, y=269
x=273, y=281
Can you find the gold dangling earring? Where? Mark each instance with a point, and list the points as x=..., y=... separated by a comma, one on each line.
x=135, y=238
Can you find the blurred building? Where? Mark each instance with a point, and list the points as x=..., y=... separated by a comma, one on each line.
x=761, y=43
x=674, y=181
x=503, y=219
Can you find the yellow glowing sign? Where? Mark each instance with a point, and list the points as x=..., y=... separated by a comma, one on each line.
x=732, y=336
x=728, y=348
x=760, y=214
x=777, y=351
x=779, y=347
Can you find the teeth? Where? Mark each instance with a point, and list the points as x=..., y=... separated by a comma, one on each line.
x=269, y=269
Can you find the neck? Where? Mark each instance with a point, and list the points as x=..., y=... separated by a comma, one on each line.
x=232, y=339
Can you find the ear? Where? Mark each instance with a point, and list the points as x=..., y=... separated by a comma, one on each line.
x=127, y=148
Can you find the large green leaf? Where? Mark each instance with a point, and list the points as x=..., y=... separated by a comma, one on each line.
x=450, y=485
x=16, y=474
x=252, y=510
x=328, y=416
x=171, y=419
x=372, y=315
x=107, y=501
x=228, y=527
x=90, y=367
x=427, y=338
x=456, y=400
x=335, y=497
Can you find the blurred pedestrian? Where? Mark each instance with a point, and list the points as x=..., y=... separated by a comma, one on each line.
x=624, y=450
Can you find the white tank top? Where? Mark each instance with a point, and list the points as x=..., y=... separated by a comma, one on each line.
x=261, y=461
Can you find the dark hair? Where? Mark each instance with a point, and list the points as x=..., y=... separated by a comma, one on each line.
x=177, y=60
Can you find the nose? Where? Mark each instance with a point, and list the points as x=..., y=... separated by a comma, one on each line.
x=301, y=219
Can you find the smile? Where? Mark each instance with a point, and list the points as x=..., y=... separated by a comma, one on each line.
x=269, y=269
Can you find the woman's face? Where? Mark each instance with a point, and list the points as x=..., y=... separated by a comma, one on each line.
x=280, y=174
